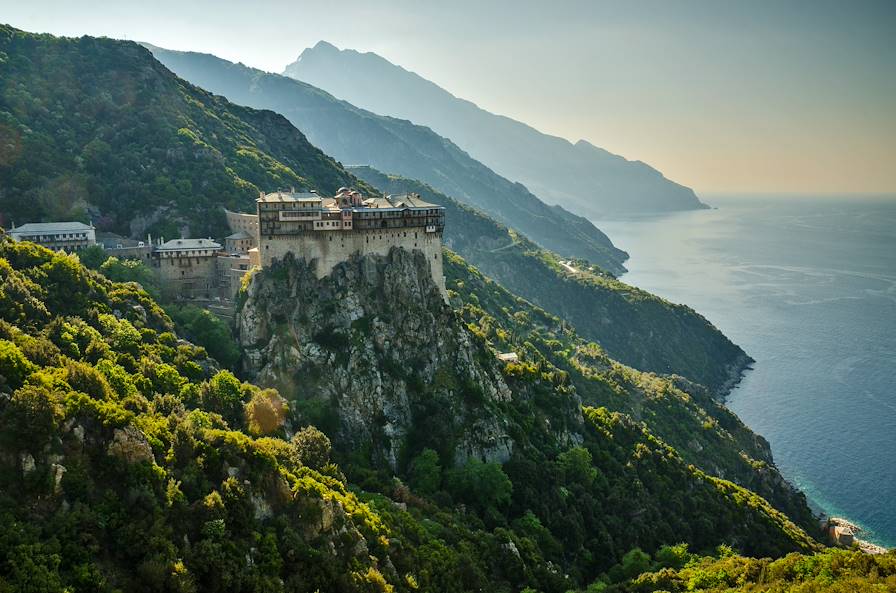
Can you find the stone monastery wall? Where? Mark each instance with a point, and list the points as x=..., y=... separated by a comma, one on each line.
x=329, y=248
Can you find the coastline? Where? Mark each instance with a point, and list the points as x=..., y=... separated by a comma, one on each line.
x=710, y=262
x=736, y=370
x=844, y=533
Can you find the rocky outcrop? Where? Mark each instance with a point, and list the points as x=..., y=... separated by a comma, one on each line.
x=375, y=346
x=131, y=445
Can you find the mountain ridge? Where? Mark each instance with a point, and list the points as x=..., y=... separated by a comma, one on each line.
x=588, y=182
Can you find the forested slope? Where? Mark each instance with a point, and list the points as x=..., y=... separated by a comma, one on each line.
x=97, y=129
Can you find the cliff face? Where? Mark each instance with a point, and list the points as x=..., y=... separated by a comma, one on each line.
x=373, y=356
x=376, y=343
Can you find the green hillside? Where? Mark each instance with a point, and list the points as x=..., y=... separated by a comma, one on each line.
x=128, y=461
x=98, y=129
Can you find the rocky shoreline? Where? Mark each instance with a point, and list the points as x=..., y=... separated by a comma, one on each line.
x=736, y=372
x=843, y=532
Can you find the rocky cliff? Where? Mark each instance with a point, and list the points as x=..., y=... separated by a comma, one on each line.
x=373, y=356
x=374, y=353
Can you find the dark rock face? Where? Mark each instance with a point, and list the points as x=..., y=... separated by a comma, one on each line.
x=375, y=343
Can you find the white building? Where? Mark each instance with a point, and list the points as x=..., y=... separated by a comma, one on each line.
x=67, y=236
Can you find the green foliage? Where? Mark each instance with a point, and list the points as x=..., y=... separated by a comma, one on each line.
x=14, y=367
x=131, y=270
x=30, y=418
x=207, y=330
x=162, y=491
x=833, y=570
x=312, y=447
x=426, y=473
x=224, y=395
x=100, y=123
x=673, y=409
x=118, y=472
x=484, y=486
x=93, y=257
x=576, y=465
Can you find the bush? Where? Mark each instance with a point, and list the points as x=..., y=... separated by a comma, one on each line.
x=484, y=486
x=265, y=412
x=14, y=367
x=223, y=394
x=312, y=447
x=209, y=331
x=30, y=418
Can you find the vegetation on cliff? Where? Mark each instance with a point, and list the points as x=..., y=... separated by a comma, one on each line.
x=98, y=129
x=129, y=461
x=125, y=462
x=366, y=353
x=703, y=431
x=831, y=571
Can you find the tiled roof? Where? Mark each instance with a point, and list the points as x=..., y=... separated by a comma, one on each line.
x=285, y=196
x=184, y=244
x=43, y=228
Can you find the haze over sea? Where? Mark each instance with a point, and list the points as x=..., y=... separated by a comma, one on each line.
x=807, y=286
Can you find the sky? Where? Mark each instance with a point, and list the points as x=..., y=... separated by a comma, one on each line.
x=760, y=96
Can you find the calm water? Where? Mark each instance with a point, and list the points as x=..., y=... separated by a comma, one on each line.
x=808, y=288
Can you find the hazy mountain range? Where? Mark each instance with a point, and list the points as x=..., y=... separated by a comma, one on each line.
x=581, y=177
x=358, y=137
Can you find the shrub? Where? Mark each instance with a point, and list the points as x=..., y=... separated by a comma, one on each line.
x=14, y=367
x=265, y=412
x=312, y=447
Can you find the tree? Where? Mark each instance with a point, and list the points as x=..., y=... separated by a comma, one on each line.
x=207, y=330
x=223, y=394
x=577, y=467
x=673, y=556
x=93, y=256
x=130, y=270
x=265, y=412
x=30, y=417
x=312, y=447
x=485, y=486
x=426, y=473
x=14, y=367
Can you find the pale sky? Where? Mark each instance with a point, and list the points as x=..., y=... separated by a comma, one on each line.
x=753, y=96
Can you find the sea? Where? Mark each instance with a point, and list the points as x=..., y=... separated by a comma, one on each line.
x=807, y=286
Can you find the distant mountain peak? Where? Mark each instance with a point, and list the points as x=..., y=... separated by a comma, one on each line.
x=324, y=45
x=553, y=168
